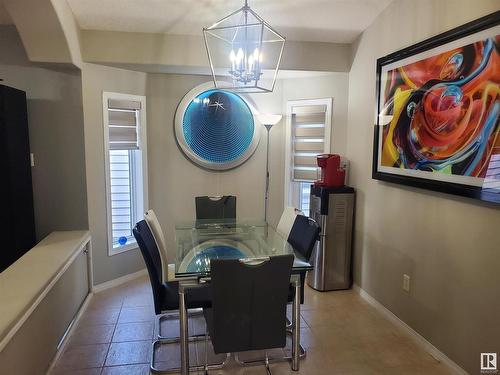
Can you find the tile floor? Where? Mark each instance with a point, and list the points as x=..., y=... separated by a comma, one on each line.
x=341, y=332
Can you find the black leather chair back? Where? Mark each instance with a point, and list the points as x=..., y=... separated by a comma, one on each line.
x=303, y=235
x=208, y=208
x=151, y=255
x=249, y=304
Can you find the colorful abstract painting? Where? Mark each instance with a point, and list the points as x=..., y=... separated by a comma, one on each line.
x=439, y=113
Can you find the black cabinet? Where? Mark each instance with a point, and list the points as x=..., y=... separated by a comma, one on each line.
x=17, y=223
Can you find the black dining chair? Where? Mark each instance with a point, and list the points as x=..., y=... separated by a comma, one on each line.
x=165, y=294
x=249, y=301
x=212, y=208
x=303, y=235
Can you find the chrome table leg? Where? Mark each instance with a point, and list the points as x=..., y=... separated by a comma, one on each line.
x=296, y=326
x=183, y=334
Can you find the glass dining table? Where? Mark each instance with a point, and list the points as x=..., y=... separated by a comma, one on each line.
x=200, y=241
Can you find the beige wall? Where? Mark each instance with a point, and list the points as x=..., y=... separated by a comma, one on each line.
x=186, y=54
x=95, y=80
x=448, y=245
x=4, y=16
x=55, y=120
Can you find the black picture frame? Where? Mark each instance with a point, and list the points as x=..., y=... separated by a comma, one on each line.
x=467, y=29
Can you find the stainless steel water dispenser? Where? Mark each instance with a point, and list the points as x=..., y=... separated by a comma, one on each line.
x=333, y=210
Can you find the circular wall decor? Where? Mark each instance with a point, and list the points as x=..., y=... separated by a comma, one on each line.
x=198, y=258
x=216, y=129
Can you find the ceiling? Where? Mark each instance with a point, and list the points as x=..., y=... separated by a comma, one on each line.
x=335, y=21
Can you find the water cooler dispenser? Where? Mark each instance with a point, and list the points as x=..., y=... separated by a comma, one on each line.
x=333, y=209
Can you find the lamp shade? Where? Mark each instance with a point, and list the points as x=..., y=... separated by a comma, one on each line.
x=268, y=119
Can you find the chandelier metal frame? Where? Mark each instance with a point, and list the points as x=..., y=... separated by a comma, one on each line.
x=245, y=69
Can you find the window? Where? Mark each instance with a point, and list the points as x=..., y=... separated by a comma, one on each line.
x=307, y=134
x=126, y=166
x=304, y=192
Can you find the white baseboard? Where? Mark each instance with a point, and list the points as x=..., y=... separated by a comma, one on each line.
x=112, y=283
x=419, y=339
x=69, y=332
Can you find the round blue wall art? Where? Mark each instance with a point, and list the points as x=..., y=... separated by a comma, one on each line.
x=216, y=129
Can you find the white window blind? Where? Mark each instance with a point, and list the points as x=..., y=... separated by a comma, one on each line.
x=308, y=140
x=123, y=124
x=121, y=193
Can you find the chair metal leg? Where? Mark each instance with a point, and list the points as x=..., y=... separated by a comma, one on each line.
x=259, y=361
x=302, y=354
x=256, y=362
x=289, y=331
x=267, y=365
x=176, y=370
x=175, y=316
x=296, y=327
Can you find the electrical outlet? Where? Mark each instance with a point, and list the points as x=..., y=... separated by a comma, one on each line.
x=406, y=283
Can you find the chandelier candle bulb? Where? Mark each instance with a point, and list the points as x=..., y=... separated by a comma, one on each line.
x=232, y=58
x=250, y=63
x=256, y=54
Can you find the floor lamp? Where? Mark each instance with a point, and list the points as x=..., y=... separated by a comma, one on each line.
x=268, y=121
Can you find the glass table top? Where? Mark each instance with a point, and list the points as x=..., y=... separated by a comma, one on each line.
x=198, y=242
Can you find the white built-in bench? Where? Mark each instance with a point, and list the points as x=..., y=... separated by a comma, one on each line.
x=40, y=295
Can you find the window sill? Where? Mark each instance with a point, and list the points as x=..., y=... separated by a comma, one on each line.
x=123, y=249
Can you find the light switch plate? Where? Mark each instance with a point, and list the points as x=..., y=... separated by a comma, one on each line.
x=406, y=283
x=32, y=159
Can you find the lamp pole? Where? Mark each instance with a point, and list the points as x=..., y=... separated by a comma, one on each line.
x=266, y=199
x=268, y=121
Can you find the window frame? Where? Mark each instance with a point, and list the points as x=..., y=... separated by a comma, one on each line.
x=292, y=188
x=143, y=173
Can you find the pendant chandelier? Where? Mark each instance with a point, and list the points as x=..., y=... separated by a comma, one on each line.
x=244, y=52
